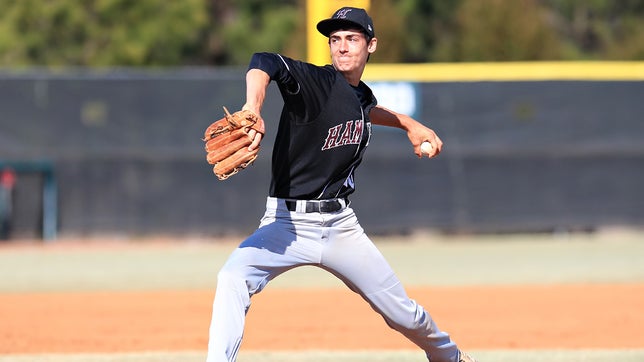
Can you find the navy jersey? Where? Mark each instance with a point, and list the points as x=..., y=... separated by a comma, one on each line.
x=323, y=131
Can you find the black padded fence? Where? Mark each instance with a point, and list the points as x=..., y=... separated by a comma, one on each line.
x=127, y=156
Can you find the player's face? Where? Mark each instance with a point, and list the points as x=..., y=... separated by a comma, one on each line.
x=349, y=50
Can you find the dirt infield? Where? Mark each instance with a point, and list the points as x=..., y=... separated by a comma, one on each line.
x=602, y=316
x=529, y=298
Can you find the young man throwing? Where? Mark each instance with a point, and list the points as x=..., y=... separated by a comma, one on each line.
x=324, y=129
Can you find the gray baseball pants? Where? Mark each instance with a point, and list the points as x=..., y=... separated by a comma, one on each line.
x=332, y=241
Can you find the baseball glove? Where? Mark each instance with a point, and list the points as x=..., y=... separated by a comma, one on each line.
x=227, y=142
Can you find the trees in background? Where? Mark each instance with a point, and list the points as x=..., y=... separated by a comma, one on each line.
x=241, y=27
x=504, y=30
x=600, y=29
x=100, y=32
x=227, y=32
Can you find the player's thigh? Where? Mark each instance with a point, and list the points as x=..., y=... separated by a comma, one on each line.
x=359, y=264
x=271, y=250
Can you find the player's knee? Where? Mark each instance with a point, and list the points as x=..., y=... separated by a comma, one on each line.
x=408, y=319
x=231, y=279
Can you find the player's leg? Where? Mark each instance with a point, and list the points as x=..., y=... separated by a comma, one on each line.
x=352, y=257
x=273, y=249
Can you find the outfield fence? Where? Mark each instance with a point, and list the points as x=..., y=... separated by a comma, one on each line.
x=520, y=155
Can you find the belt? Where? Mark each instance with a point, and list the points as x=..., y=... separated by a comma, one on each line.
x=321, y=206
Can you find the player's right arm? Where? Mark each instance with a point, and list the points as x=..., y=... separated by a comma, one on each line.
x=416, y=131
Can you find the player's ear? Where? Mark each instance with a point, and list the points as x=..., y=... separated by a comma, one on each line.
x=373, y=43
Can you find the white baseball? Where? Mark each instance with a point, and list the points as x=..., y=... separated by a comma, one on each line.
x=426, y=148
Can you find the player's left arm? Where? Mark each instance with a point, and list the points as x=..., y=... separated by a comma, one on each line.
x=416, y=131
x=257, y=82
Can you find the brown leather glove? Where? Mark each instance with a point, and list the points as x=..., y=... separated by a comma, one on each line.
x=227, y=142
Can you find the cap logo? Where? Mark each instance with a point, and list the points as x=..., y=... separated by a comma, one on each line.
x=342, y=13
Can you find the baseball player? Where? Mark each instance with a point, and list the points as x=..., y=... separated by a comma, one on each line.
x=323, y=132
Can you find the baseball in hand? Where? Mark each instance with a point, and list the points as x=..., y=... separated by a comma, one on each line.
x=426, y=148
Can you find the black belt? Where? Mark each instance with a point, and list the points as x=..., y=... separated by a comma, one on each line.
x=332, y=205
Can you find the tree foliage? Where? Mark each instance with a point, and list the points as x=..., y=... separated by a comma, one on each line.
x=99, y=32
x=227, y=32
x=253, y=25
x=496, y=30
x=601, y=29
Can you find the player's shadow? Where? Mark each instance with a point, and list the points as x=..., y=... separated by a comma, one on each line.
x=276, y=233
x=265, y=254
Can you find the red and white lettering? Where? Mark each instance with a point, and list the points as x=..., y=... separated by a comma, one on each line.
x=357, y=133
x=348, y=134
x=333, y=134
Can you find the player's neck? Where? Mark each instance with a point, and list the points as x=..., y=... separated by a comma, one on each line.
x=353, y=76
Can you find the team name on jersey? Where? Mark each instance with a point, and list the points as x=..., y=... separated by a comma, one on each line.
x=349, y=133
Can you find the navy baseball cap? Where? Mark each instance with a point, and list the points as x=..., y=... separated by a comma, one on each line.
x=347, y=18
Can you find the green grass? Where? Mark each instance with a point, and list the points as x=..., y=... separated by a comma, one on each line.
x=422, y=259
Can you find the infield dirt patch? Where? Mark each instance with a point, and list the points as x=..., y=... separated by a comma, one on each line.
x=489, y=317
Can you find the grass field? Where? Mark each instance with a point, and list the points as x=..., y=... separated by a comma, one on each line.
x=441, y=265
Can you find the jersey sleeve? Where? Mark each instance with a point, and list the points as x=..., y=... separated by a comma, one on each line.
x=305, y=87
x=278, y=69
